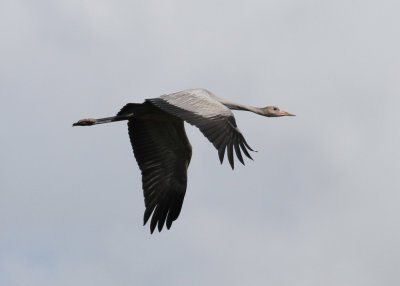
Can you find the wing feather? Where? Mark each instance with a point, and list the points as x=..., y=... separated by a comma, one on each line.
x=199, y=107
x=163, y=153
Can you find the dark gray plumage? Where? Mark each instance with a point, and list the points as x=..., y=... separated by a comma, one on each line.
x=163, y=151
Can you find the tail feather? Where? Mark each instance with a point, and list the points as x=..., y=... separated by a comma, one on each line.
x=130, y=109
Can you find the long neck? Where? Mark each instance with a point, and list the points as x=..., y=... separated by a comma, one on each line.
x=236, y=106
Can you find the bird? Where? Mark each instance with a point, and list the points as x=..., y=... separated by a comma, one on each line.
x=162, y=148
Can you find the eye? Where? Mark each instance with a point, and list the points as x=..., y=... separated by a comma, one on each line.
x=275, y=108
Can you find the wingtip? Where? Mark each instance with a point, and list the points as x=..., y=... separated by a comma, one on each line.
x=221, y=154
x=145, y=218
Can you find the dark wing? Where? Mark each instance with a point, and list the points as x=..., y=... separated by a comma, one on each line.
x=215, y=120
x=163, y=154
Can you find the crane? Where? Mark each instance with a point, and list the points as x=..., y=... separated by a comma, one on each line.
x=163, y=151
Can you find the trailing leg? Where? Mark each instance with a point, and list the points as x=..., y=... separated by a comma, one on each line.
x=125, y=113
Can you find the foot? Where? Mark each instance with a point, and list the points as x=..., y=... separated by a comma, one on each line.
x=85, y=122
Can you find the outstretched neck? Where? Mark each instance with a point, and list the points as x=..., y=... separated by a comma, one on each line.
x=237, y=106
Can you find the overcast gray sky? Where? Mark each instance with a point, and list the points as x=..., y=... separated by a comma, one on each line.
x=319, y=205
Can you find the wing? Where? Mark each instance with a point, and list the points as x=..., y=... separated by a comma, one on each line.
x=163, y=154
x=199, y=107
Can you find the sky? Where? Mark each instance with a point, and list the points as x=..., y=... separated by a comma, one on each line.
x=317, y=206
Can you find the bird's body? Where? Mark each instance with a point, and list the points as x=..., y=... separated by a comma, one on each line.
x=163, y=151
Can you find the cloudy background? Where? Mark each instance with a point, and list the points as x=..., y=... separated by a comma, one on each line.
x=318, y=206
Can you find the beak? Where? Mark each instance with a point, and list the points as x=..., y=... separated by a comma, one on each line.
x=284, y=113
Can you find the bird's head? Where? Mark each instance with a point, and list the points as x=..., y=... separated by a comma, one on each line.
x=273, y=111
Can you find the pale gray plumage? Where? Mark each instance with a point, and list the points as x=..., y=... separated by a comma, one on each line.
x=163, y=151
x=200, y=108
